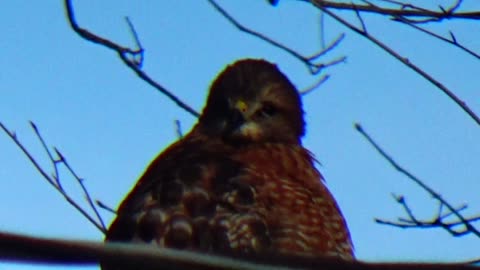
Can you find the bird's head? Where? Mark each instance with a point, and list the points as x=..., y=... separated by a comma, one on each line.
x=251, y=101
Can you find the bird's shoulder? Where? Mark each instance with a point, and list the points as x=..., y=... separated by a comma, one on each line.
x=185, y=162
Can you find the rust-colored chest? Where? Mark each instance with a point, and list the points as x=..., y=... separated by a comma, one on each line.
x=301, y=214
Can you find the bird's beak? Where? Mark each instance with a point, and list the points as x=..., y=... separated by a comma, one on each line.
x=240, y=124
x=241, y=106
x=237, y=116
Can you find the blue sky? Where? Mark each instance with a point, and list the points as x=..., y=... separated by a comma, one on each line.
x=109, y=124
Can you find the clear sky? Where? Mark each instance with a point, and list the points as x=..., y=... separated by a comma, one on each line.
x=110, y=124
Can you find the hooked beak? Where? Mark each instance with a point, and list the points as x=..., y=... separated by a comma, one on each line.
x=237, y=116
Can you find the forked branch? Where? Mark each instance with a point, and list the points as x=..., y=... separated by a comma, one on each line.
x=407, y=62
x=133, y=58
x=460, y=226
x=54, y=180
x=402, y=9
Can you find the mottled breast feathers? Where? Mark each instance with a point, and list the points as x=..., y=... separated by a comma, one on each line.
x=266, y=199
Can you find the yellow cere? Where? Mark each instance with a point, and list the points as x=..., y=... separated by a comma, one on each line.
x=241, y=106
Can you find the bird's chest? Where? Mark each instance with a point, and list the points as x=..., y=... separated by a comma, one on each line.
x=298, y=209
x=280, y=173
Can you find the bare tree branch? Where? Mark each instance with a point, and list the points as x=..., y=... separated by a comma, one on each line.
x=19, y=248
x=105, y=207
x=311, y=88
x=363, y=32
x=178, y=129
x=453, y=41
x=54, y=180
x=439, y=220
x=313, y=67
x=406, y=13
x=79, y=180
x=133, y=58
x=404, y=10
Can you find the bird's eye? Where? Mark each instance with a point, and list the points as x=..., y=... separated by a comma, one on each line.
x=268, y=110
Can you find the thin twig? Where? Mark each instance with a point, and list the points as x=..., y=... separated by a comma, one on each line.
x=321, y=18
x=54, y=182
x=333, y=44
x=310, y=89
x=313, y=67
x=452, y=41
x=442, y=215
x=407, y=62
x=362, y=23
x=401, y=200
x=126, y=55
x=56, y=176
x=81, y=182
x=105, y=207
x=178, y=129
x=411, y=11
x=138, y=57
x=404, y=5
x=438, y=222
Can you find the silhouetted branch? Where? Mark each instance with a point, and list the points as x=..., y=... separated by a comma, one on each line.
x=310, y=89
x=105, y=207
x=407, y=13
x=439, y=220
x=133, y=58
x=363, y=32
x=313, y=67
x=436, y=222
x=405, y=10
x=178, y=129
x=19, y=248
x=54, y=180
x=453, y=41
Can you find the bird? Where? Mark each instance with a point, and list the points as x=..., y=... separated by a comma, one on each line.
x=240, y=182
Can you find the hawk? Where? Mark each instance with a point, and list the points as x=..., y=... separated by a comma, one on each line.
x=240, y=182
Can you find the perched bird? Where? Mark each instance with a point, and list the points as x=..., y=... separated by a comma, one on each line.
x=240, y=181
